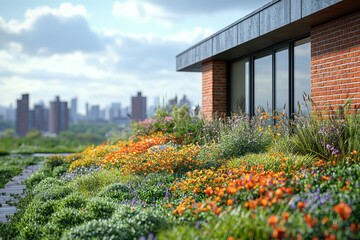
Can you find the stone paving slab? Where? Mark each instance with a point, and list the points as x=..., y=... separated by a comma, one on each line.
x=15, y=186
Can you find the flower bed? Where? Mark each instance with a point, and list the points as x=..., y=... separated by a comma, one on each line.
x=235, y=184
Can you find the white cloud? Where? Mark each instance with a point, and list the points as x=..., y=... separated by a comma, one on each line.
x=65, y=10
x=142, y=11
x=33, y=60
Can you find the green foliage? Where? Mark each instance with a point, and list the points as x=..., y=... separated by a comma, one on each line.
x=99, y=229
x=54, y=161
x=100, y=208
x=117, y=191
x=42, y=173
x=4, y=125
x=327, y=135
x=33, y=134
x=239, y=136
x=274, y=161
x=94, y=128
x=92, y=183
x=12, y=166
x=238, y=224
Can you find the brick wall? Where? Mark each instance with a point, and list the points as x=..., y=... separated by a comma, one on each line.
x=214, y=88
x=335, y=62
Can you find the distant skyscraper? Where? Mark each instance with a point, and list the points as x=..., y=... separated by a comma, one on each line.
x=73, y=110
x=39, y=118
x=59, y=116
x=11, y=113
x=94, y=113
x=87, y=112
x=115, y=111
x=22, y=115
x=138, y=107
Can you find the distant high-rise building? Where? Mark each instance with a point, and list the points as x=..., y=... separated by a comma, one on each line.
x=115, y=111
x=94, y=114
x=87, y=111
x=138, y=107
x=73, y=110
x=22, y=115
x=10, y=114
x=39, y=122
x=59, y=116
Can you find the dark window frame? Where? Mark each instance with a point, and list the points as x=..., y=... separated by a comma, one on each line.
x=290, y=45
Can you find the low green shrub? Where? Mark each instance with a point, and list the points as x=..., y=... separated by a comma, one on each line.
x=63, y=219
x=117, y=191
x=60, y=170
x=100, y=208
x=92, y=183
x=54, y=161
x=42, y=173
x=238, y=224
x=99, y=229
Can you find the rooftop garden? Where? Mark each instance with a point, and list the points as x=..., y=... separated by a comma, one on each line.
x=181, y=177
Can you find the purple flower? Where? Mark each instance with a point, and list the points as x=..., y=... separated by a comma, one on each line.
x=328, y=146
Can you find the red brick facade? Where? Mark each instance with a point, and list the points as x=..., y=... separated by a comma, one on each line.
x=335, y=68
x=214, y=87
x=335, y=62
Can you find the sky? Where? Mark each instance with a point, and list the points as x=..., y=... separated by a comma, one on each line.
x=105, y=51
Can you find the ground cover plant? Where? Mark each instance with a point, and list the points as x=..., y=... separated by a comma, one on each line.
x=229, y=178
x=11, y=166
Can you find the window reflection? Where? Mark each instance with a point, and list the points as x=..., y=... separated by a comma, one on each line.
x=263, y=81
x=239, y=90
x=282, y=80
x=302, y=58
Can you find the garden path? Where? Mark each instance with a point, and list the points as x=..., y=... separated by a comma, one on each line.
x=14, y=187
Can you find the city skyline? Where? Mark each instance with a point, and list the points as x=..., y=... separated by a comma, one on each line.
x=155, y=101
x=99, y=51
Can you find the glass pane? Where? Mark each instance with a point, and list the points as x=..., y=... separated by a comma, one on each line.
x=282, y=80
x=239, y=87
x=263, y=81
x=302, y=58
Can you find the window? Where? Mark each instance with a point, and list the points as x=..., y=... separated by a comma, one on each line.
x=282, y=80
x=275, y=78
x=263, y=82
x=302, y=60
x=239, y=91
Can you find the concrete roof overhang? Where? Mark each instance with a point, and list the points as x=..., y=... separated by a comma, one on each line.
x=277, y=21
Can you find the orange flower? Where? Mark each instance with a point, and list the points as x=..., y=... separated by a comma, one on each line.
x=325, y=178
x=273, y=219
x=301, y=205
x=278, y=192
x=309, y=220
x=229, y=202
x=343, y=210
x=217, y=211
x=279, y=233
x=285, y=215
x=353, y=227
x=209, y=191
x=264, y=201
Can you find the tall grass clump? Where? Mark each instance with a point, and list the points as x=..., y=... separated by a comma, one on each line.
x=329, y=134
x=239, y=135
